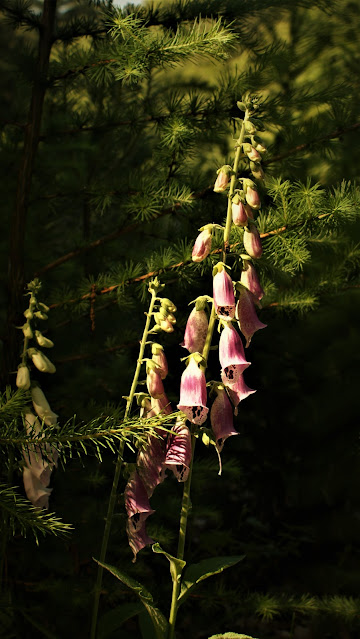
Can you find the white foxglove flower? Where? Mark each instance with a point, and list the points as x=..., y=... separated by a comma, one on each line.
x=41, y=362
x=42, y=407
x=43, y=341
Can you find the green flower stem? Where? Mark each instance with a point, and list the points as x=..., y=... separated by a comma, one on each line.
x=186, y=504
x=113, y=494
x=233, y=185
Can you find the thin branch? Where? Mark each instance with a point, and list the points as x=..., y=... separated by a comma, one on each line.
x=86, y=67
x=302, y=147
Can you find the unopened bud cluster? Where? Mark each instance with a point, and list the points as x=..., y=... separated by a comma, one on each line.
x=39, y=460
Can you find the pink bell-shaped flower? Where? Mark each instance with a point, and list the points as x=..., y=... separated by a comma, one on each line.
x=239, y=391
x=193, y=396
x=231, y=354
x=159, y=357
x=178, y=451
x=248, y=321
x=239, y=216
x=223, y=292
x=253, y=198
x=221, y=417
x=249, y=278
x=202, y=246
x=252, y=241
x=153, y=380
x=222, y=180
x=195, y=331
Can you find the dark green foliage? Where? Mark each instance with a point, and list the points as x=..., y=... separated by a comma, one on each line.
x=138, y=115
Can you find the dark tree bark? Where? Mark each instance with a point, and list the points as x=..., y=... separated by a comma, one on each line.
x=16, y=274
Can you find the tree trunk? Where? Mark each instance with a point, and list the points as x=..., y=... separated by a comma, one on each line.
x=16, y=275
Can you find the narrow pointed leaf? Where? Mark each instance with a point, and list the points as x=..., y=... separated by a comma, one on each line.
x=204, y=569
x=158, y=620
x=176, y=565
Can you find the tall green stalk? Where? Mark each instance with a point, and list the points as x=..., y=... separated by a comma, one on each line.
x=185, y=505
x=112, y=500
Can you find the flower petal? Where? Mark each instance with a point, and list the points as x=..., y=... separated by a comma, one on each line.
x=248, y=321
x=178, y=451
x=193, y=396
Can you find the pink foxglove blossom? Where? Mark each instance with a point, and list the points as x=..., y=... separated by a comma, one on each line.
x=136, y=502
x=202, y=246
x=253, y=154
x=252, y=241
x=223, y=292
x=231, y=355
x=159, y=357
x=222, y=179
x=138, y=539
x=153, y=381
x=239, y=391
x=178, y=451
x=249, y=278
x=195, y=331
x=249, y=212
x=193, y=396
x=248, y=321
x=253, y=198
x=239, y=216
x=150, y=464
x=221, y=417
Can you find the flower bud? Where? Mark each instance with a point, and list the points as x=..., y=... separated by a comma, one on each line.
x=202, y=246
x=43, y=341
x=252, y=198
x=23, y=377
x=222, y=180
x=257, y=171
x=239, y=216
x=42, y=407
x=41, y=315
x=26, y=329
x=252, y=241
x=168, y=305
x=259, y=147
x=28, y=314
x=41, y=362
x=163, y=323
x=195, y=331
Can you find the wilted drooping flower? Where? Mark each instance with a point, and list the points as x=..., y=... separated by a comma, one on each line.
x=138, y=510
x=221, y=417
x=239, y=391
x=193, y=396
x=252, y=241
x=23, y=377
x=195, y=331
x=153, y=380
x=41, y=362
x=249, y=278
x=231, y=354
x=223, y=291
x=158, y=356
x=248, y=321
x=222, y=180
x=150, y=464
x=202, y=246
x=178, y=451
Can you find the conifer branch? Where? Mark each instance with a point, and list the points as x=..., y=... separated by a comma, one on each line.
x=21, y=516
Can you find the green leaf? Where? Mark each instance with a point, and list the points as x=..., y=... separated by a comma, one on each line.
x=176, y=565
x=146, y=627
x=158, y=620
x=112, y=620
x=204, y=569
x=231, y=635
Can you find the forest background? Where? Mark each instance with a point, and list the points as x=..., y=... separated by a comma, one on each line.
x=122, y=170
